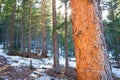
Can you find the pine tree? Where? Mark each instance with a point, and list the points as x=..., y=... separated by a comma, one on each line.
x=89, y=42
x=44, y=45
x=54, y=38
x=23, y=29
x=30, y=26
x=12, y=28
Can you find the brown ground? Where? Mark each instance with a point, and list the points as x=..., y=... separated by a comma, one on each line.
x=21, y=73
x=13, y=73
x=71, y=75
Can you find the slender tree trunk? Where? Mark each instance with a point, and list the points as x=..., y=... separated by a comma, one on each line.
x=17, y=34
x=29, y=33
x=37, y=43
x=12, y=28
x=66, y=37
x=25, y=42
x=0, y=8
x=37, y=48
x=119, y=63
x=90, y=50
x=23, y=29
x=44, y=46
x=54, y=37
x=3, y=35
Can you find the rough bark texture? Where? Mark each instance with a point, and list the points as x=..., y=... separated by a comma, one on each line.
x=54, y=37
x=90, y=48
x=12, y=28
x=66, y=37
x=44, y=46
x=23, y=29
x=29, y=32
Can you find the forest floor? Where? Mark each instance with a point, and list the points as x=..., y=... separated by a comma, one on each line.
x=18, y=68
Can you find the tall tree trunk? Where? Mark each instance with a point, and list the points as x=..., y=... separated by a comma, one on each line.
x=66, y=37
x=12, y=28
x=0, y=8
x=29, y=33
x=23, y=29
x=89, y=42
x=44, y=46
x=54, y=37
x=3, y=35
x=24, y=37
x=25, y=42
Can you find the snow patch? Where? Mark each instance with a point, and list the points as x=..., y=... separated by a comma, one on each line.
x=116, y=72
x=41, y=65
x=1, y=46
x=45, y=77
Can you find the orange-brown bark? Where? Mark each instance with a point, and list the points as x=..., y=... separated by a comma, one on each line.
x=88, y=41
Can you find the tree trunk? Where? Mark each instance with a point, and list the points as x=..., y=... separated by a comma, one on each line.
x=66, y=37
x=89, y=42
x=3, y=35
x=0, y=9
x=44, y=47
x=12, y=28
x=23, y=29
x=119, y=63
x=54, y=37
x=29, y=32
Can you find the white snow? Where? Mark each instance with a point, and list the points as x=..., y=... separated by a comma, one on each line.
x=1, y=46
x=33, y=75
x=45, y=77
x=40, y=64
x=116, y=72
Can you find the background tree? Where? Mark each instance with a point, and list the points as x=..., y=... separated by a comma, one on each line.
x=12, y=28
x=112, y=27
x=66, y=34
x=44, y=45
x=30, y=26
x=54, y=38
x=23, y=28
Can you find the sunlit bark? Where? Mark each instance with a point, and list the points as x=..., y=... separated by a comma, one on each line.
x=89, y=42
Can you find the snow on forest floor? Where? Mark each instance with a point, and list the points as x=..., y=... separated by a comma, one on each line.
x=116, y=72
x=40, y=65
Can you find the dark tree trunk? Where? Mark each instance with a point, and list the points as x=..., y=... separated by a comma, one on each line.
x=29, y=32
x=66, y=38
x=12, y=28
x=23, y=29
x=3, y=35
x=44, y=46
x=54, y=37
